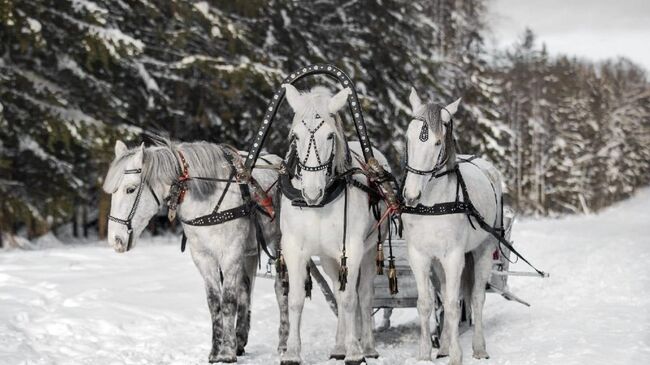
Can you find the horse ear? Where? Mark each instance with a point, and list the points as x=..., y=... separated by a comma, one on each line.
x=120, y=148
x=338, y=101
x=293, y=97
x=416, y=102
x=449, y=111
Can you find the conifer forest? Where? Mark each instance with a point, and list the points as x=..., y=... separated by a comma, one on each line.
x=570, y=135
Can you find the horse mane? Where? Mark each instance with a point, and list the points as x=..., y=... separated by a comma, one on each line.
x=431, y=114
x=162, y=166
x=318, y=98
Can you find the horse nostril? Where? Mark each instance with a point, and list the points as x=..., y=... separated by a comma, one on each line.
x=312, y=200
x=119, y=244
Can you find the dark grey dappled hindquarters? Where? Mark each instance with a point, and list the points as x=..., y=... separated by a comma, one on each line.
x=75, y=75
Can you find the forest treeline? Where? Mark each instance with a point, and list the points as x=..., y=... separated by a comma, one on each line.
x=75, y=75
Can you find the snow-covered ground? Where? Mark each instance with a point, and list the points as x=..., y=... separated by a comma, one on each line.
x=89, y=305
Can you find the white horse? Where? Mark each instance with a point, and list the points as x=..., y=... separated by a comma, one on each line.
x=431, y=151
x=225, y=254
x=321, y=151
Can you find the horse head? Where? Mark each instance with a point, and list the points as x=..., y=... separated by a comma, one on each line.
x=133, y=200
x=317, y=138
x=429, y=144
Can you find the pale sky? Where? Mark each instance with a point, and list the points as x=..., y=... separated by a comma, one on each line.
x=592, y=29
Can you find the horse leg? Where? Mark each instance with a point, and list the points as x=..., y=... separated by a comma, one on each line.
x=482, y=270
x=366, y=295
x=283, y=306
x=232, y=280
x=244, y=304
x=385, y=324
x=297, y=269
x=331, y=268
x=453, y=265
x=209, y=270
x=350, y=301
x=443, y=351
x=421, y=267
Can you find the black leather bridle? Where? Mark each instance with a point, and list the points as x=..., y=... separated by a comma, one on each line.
x=129, y=219
x=302, y=164
x=442, y=156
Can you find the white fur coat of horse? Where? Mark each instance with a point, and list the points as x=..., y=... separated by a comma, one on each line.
x=318, y=231
x=225, y=254
x=447, y=238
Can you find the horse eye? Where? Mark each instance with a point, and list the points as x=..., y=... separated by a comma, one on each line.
x=438, y=143
x=330, y=136
x=130, y=190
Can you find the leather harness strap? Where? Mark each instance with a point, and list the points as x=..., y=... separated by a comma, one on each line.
x=247, y=208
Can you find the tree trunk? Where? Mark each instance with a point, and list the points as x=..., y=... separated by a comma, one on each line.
x=75, y=221
x=102, y=215
x=84, y=216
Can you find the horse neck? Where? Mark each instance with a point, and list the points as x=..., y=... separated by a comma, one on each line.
x=440, y=190
x=193, y=206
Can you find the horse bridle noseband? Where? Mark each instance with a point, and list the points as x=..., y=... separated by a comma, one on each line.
x=302, y=164
x=129, y=219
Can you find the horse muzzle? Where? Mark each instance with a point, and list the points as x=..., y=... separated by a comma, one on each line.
x=412, y=199
x=313, y=199
x=120, y=245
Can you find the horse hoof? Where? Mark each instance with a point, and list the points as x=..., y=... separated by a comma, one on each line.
x=441, y=354
x=481, y=354
x=337, y=356
x=289, y=362
x=240, y=351
x=355, y=362
x=371, y=354
x=223, y=358
x=228, y=360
